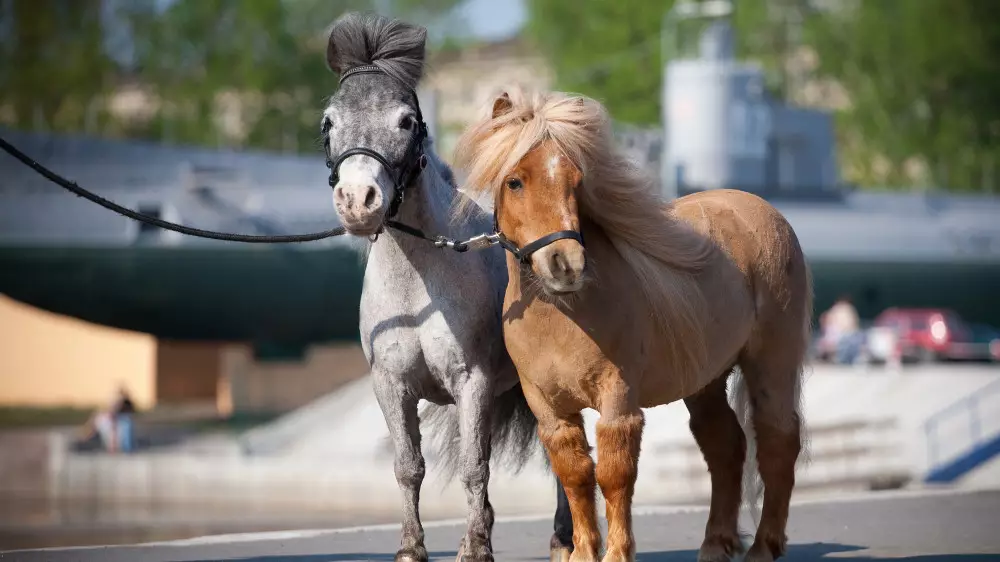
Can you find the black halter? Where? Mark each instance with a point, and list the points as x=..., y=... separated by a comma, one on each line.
x=414, y=159
x=523, y=253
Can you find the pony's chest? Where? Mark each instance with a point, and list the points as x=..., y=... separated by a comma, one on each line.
x=559, y=356
x=424, y=323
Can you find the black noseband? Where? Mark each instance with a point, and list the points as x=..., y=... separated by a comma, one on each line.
x=334, y=165
x=523, y=254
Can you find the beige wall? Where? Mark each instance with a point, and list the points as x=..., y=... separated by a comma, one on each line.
x=280, y=386
x=48, y=359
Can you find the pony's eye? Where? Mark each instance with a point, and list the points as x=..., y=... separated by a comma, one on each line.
x=326, y=125
x=408, y=123
x=514, y=184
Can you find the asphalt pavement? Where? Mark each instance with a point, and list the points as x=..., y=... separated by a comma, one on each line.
x=935, y=526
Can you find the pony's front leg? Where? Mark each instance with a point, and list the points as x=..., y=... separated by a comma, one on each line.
x=565, y=442
x=475, y=408
x=400, y=411
x=618, y=438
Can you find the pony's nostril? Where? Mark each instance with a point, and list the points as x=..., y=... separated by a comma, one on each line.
x=370, y=198
x=559, y=263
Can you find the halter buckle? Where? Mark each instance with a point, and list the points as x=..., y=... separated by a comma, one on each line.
x=482, y=241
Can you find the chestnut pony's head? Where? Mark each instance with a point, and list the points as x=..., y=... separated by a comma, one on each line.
x=529, y=159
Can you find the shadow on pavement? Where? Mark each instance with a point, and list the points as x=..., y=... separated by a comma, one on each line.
x=352, y=557
x=816, y=552
x=825, y=552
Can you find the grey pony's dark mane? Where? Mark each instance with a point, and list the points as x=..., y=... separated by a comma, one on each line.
x=397, y=47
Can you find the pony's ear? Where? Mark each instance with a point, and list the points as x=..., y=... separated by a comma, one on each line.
x=502, y=105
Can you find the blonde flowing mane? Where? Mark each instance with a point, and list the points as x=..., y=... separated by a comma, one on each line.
x=617, y=195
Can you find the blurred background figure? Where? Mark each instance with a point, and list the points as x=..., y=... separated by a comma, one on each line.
x=122, y=410
x=841, y=330
x=100, y=426
x=114, y=425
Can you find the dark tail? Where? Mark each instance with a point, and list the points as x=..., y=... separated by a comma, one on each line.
x=514, y=438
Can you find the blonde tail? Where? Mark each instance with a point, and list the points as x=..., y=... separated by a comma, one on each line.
x=753, y=486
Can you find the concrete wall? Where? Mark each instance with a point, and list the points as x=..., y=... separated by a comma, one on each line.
x=48, y=359
x=25, y=462
x=864, y=431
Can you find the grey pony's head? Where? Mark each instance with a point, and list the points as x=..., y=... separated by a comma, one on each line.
x=377, y=111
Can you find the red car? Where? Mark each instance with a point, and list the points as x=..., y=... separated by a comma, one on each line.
x=932, y=334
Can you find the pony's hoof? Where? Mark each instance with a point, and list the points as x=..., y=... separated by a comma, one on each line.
x=719, y=549
x=618, y=557
x=478, y=553
x=416, y=554
x=759, y=552
x=714, y=554
x=767, y=547
x=579, y=557
x=560, y=554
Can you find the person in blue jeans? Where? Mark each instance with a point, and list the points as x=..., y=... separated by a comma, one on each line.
x=842, y=328
x=849, y=347
x=121, y=414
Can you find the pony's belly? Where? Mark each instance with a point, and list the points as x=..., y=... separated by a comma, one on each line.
x=655, y=393
x=660, y=388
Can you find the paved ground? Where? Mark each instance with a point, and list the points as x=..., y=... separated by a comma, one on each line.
x=924, y=527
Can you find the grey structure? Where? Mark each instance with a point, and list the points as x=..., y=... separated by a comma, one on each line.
x=722, y=129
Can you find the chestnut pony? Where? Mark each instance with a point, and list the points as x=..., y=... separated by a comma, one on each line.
x=642, y=303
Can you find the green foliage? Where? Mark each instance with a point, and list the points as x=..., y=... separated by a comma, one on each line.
x=52, y=62
x=263, y=59
x=613, y=49
x=768, y=32
x=608, y=49
x=923, y=78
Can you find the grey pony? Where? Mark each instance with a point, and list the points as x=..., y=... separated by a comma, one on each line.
x=430, y=318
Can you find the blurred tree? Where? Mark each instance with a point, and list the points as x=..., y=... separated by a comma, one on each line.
x=52, y=63
x=609, y=49
x=219, y=72
x=230, y=72
x=769, y=32
x=923, y=78
x=612, y=50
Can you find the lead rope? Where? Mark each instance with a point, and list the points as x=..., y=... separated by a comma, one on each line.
x=479, y=242
x=75, y=189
